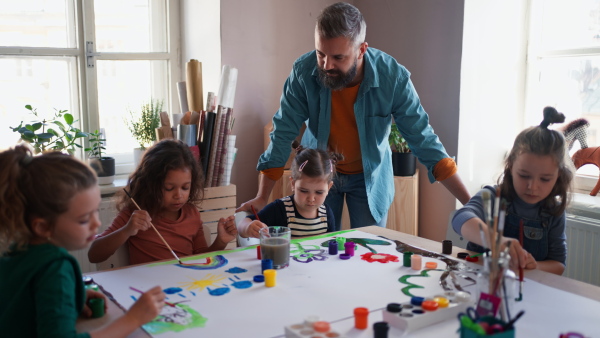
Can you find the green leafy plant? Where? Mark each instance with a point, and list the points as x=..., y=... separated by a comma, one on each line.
x=397, y=142
x=143, y=124
x=56, y=134
x=96, y=145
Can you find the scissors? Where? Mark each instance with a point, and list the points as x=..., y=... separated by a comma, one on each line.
x=471, y=314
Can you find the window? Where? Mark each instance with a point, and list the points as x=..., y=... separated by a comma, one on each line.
x=96, y=59
x=564, y=68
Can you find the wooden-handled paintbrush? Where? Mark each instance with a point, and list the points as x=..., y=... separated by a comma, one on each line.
x=153, y=227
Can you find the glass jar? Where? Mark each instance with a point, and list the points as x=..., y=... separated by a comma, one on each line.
x=497, y=287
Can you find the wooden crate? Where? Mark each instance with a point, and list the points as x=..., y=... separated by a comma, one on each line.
x=218, y=202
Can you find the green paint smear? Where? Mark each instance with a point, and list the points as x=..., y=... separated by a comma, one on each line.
x=364, y=242
x=325, y=235
x=404, y=280
x=158, y=327
x=253, y=247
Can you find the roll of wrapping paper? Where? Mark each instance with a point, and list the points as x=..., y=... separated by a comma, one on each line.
x=183, y=100
x=226, y=95
x=194, y=85
x=210, y=102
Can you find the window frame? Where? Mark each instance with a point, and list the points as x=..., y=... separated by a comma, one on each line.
x=84, y=103
x=582, y=182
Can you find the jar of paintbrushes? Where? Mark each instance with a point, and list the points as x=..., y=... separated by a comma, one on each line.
x=497, y=286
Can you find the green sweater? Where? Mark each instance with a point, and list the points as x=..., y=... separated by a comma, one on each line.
x=41, y=293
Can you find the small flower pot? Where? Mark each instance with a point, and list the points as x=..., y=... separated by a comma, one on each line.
x=404, y=164
x=105, y=169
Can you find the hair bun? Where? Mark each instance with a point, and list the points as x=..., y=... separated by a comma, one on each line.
x=551, y=115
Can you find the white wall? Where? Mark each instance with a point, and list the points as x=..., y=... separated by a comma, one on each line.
x=261, y=38
x=201, y=40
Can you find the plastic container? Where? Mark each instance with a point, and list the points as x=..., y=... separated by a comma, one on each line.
x=466, y=332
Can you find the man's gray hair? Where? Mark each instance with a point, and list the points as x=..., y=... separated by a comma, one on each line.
x=342, y=19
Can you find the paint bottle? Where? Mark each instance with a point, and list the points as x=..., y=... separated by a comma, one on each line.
x=97, y=307
x=349, y=246
x=416, y=262
x=447, y=247
x=270, y=277
x=407, y=256
x=266, y=264
x=88, y=283
x=380, y=330
x=361, y=318
x=333, y=247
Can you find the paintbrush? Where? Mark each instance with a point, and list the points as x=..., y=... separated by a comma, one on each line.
x=496, y=235
x=254, y=211
x=486, y=195
x=153, y=227
x=140, y=291
x=520, y=267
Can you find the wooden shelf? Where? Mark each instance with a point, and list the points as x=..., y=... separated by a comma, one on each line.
x=403, y=214
x=218, y=202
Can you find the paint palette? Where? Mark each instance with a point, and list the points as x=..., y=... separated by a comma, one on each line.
x=311, y=328
x=421, y=312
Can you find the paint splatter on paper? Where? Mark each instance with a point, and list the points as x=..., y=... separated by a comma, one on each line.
x=236, y=270
x=377, y=257
x=364, y=242
x=453, y=267
x=201, y=284
x=211, y=263
x=306, y=254
x=175, y=319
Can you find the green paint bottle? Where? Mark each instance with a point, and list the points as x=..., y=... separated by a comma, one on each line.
x=88, y=283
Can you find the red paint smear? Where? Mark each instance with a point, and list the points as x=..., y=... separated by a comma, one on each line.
x=385, y=259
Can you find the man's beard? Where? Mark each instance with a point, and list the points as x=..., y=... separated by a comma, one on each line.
x=337, y=82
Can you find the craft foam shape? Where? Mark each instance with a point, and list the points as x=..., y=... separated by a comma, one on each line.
x=305, y=330
x=412, y=317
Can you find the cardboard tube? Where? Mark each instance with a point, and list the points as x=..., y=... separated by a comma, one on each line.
x=194, y=85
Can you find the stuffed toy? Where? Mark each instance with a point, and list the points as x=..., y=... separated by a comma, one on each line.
x=577, y=130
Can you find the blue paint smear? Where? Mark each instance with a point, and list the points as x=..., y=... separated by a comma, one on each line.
x=181, y=294
x=171, y=291
x=193, y=293
x=219, y=291
x=134, y=299
x=242, y=285
x=236, y=270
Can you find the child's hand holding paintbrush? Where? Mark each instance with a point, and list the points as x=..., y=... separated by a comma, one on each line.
x=250, y=228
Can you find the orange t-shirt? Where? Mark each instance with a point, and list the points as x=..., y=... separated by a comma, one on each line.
x=185, y=236
x=343, y=135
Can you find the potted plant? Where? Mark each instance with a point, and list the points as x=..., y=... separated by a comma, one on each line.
x=143, y=124
x=103, y=165
x=56, y=134
x=404, y=161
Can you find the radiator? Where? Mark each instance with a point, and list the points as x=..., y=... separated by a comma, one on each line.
x=108, y=212
x=583, y=249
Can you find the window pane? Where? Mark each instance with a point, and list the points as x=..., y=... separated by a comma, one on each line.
x=37, y=23
x=125, y=86
x=44, y=83
x=130, y=26
x=572, y=85
x=571, y=24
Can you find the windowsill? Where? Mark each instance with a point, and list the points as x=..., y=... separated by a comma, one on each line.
x=582, y=204
x=119, y=183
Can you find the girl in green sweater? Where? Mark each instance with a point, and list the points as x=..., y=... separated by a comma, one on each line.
x=49, y=205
